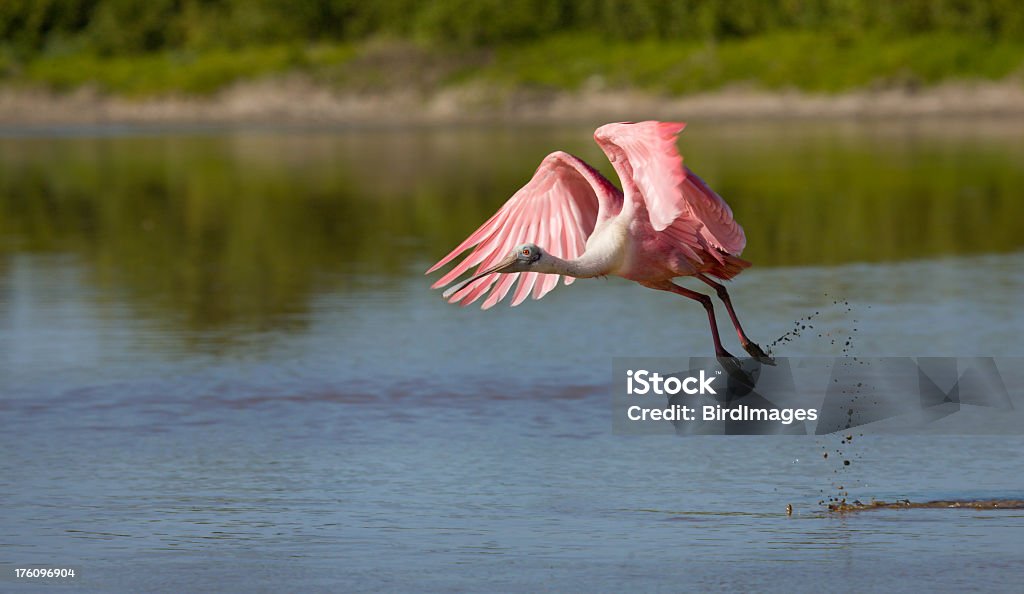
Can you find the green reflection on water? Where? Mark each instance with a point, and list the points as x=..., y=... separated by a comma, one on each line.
x=241, y=228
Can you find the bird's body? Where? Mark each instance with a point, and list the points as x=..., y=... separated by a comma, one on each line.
x=664, y=223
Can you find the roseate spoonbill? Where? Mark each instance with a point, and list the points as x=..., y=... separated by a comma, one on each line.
x=569, y=220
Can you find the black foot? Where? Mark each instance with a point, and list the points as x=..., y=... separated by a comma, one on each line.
x=737, y=374
x=730, y=364
x=756, y=352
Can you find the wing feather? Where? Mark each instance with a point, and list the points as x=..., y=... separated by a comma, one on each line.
x=645, y=156
x=558, y=210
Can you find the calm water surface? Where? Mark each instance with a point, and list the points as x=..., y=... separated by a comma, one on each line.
x=221, y=366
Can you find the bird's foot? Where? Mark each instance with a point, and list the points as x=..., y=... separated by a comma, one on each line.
x=728, y=362
x=735, y=371
x=755, y=351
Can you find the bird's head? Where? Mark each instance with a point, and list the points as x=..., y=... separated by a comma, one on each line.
x=525, y=258
x=528, y=257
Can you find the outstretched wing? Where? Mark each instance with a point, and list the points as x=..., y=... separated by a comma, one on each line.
x=556, y=210
x=645, y=156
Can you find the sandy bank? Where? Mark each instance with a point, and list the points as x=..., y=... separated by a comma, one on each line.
x=298, y=101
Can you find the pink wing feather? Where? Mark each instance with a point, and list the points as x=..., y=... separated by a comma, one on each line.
x=645, y=156
x=556, y=210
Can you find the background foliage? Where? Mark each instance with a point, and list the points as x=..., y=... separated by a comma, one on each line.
x=133, y=45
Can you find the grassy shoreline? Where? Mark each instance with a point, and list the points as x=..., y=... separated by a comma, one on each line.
x=792, y=73
x=797, y=60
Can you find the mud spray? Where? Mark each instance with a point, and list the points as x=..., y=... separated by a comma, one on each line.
x=841, y=456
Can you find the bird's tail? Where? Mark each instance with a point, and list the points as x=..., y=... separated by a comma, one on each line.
x=725, y=265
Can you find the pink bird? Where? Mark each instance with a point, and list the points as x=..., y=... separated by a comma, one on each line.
x=570, y=221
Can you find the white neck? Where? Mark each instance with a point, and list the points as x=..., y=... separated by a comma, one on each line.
x=582, y=267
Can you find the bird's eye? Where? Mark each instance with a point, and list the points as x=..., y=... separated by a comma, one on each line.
x=526, y=251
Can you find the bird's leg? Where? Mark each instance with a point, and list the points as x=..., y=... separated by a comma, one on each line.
x=748, y=345
x=704, y=300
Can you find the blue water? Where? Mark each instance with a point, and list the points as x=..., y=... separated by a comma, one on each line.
x=399, y=444
x=377, y=439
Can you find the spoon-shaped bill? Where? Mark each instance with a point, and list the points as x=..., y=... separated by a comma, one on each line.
x=507, y=262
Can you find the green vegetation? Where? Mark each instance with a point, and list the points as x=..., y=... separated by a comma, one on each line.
x=141, y=47
x=804, y=60
x=188, y=72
